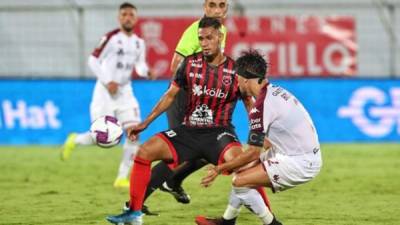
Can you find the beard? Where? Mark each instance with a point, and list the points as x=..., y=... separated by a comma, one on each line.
x=127, y=28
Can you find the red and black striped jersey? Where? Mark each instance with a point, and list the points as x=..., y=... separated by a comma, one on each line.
x=212, y=91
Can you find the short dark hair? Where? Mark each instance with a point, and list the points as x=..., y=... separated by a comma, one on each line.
x=251, y=64
x=209, y=22
x=127, y=5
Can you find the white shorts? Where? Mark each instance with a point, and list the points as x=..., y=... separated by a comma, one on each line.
x=286, y=171
x=123, y=106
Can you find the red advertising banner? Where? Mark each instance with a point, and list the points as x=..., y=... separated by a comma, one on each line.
x=293, y=46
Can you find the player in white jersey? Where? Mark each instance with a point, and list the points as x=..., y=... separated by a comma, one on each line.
x=278, y=123
x=119, y=52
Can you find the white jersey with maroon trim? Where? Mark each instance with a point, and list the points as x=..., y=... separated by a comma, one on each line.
x=285, y=121
x=116, y=57
x=114, y=60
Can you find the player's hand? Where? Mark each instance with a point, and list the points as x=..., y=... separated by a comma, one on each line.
x=133, y=132
x=212, y=173
x=112, y=87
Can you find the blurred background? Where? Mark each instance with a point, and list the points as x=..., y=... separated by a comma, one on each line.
x=341, y=58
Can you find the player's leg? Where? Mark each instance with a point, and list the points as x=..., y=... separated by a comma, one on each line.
x=175, y=181
x=129, y=151
x=156, y=148
x=244, y=193
x=228, y=150
x=225, y=147
x=175, y=115
x=161, y=172
x=128, y=118
x=97, y=109
x=247, y=189
x=245, y=186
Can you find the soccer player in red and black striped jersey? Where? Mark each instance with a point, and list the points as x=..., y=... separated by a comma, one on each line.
x=212, y=93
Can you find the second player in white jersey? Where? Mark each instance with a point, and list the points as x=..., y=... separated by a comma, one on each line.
x=114, y=61
x=278, y=123
x=294, y=151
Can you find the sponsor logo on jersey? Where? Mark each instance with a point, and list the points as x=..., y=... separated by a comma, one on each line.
x=373, y=111
x=255, y=123
x=254, y=110
x=202, y=115
x=199, y=90
x=197, y=65
x=196, y=62
x=225, y=70
x=227, y=79
x=196, y=75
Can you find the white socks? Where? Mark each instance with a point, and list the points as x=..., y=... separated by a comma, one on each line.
x=84, y=139
x=130, y=148
x=252, y=200
x=233, y=208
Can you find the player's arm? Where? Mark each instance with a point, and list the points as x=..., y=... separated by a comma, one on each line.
x=256, y=141
x=162, y=105
x=187, y=45
x=165, y=101
x=95, y=66
x=94, y=63
x=141, y=66
x=176, y=60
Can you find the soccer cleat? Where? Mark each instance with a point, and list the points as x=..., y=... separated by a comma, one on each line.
x=128, y=217
x=68, y=147
x=178, y=193
x=275, y=222
x=145, y=210
x=121, y=183
x=202, y=220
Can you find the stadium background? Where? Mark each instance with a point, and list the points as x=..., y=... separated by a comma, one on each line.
x=46, y=86
x=45, y=46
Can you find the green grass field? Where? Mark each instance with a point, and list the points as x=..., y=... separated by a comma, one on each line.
x=359, y=184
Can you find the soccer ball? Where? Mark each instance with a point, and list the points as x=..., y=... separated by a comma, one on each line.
x=106, y=132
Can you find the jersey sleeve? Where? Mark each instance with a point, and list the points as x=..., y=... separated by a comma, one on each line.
x=256, y=116
x=95, y=67
x=179, y=79
x=189, y=43
x=141, y=66
x=103, y=48
x=269, y=114
x=257, y=131
x=98, y=55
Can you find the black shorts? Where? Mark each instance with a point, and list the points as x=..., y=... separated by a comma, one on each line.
x=187, y=143
x=176, y=112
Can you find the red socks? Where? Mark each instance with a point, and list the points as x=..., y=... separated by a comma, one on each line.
x=264, y=197
x=140, y=177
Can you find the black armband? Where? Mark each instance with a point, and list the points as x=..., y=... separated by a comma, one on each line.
x=256, y=138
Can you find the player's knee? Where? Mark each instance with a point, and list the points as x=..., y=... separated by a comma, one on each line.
x=144, y=153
